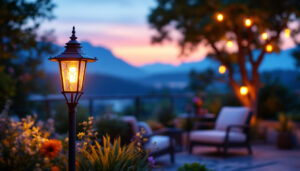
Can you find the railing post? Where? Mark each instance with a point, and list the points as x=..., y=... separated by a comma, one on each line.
x=137, y=102
x=47, y=108
x=91, y=107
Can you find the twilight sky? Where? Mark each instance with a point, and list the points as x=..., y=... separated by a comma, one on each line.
x=120, y=25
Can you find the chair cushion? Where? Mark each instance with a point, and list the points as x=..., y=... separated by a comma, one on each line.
x=216, y=136
x=157, y=142
x=146, y=127
x=232, y=116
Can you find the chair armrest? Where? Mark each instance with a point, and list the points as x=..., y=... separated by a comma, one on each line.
x=244, y=128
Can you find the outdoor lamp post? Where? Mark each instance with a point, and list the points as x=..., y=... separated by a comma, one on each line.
x=72, y=66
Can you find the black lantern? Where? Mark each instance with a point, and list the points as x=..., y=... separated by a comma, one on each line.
x=72, y=66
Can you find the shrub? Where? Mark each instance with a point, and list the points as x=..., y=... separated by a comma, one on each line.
x=194, y=167
x=61, y=118
x=114, y=156
x=274, y=98
x=285, y=124
x=114, y=127
x=164, y=113
x=25, y=145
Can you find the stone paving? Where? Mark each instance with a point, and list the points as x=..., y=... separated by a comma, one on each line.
x=264, y=158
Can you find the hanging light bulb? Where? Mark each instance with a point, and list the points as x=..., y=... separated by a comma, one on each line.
x=244, y=90
x=248, y=22
x=264, y=36
x=229, y=43
x=287, y=32
x=222, y=69
x=220, y=17
x=269, y=48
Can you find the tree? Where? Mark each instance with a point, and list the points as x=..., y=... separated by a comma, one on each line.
x=22, y=48
x=238, y=33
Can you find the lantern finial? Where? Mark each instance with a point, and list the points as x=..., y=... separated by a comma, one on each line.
x=73, y=37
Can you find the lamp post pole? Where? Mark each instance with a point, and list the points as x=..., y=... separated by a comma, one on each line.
x=72, y=135
x=72, y=66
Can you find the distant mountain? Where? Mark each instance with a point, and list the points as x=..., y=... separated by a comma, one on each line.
x=178, y=80
x=273, y=61
x=107, y=63
x=159, y=68
x=100, y=84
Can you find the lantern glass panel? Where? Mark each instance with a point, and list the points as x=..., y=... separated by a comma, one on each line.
x=72, y=73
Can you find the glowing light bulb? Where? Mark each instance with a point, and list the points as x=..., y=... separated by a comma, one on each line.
x=264, y=35
x=248, y=22
x=244, y=90
x=269, y=48
x=220, y=17
x=222, y=69
x=72, y=74
x=229, y=43
x=287, y=32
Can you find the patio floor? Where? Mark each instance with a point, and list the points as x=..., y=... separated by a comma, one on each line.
x=264, y=158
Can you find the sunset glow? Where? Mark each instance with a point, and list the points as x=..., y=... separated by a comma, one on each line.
x=126, y=33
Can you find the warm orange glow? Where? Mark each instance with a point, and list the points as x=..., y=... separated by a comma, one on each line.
x=287, y=32
x=229, y=43
x=264, y=36
x=220, y=17
x=244, y=90
x=72, y=77
x=248, y=22
x=269, y=48
x=222, y=69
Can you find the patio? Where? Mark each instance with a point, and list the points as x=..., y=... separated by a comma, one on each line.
x=264, y=158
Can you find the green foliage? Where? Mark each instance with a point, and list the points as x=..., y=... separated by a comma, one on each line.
x=193, y=167
x=21, y=143
x=199, y=82
x=114, y=127
x=22, y=49
x=285, y=124
x=273, y=98
x=61, y=117
x=164, y=113
x=112, y=157
x=196, y=23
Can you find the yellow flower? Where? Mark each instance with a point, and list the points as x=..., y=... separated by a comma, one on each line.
x=80, y=135
x=51, y=148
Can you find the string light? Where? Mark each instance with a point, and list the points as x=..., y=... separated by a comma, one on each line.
x=287, y=32
x=264, y=36
x=222, y=69
x=244, y=90
x=248, y=22
x=229, y=43
x=220, y=17
x=269, y=48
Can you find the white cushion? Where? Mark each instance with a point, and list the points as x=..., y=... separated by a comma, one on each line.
x=216, y=136
x=146, y=127
x=157, y=142
x=132, y=121
x=232, y=116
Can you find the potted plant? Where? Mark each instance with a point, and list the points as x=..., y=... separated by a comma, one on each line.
x=285, y=132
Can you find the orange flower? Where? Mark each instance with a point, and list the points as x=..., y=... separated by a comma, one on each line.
x=55, y=168
x=51, y=148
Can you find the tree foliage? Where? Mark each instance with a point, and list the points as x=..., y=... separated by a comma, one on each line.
x=197, y=25
x=22, y=48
